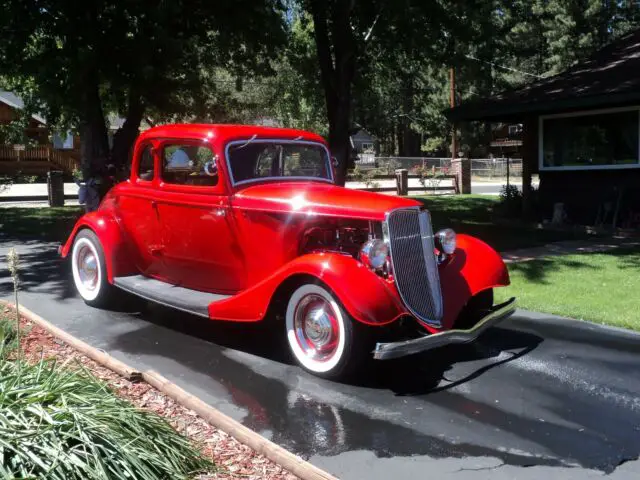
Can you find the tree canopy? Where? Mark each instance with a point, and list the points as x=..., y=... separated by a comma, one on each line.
x=82, y=60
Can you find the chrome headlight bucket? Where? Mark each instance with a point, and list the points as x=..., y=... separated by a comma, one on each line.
x=445, y=241
x=374, y=254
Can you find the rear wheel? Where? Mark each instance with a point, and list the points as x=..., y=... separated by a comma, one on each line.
x=89, y=269
x=321, y=334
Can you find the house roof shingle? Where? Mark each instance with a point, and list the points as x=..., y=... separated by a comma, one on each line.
x=611, y=76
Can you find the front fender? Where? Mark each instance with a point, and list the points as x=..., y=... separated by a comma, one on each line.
x=106, y=227
x=367, y=297
x=474, y=267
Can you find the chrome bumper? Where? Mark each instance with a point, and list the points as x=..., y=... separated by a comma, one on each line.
x=385, y=351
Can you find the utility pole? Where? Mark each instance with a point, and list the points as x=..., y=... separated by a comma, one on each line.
x=452, y=103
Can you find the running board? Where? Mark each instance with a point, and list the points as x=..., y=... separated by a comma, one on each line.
x=190, y=301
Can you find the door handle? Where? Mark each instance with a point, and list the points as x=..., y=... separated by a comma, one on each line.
x=154, y=204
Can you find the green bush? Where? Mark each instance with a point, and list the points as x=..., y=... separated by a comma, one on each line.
x=60, y=424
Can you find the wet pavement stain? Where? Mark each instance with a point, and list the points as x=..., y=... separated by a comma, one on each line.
x=308, y=425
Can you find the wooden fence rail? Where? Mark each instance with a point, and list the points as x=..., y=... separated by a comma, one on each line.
x=36, y=160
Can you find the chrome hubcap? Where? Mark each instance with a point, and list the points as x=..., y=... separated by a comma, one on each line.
x=87, y=268
x=316, y=326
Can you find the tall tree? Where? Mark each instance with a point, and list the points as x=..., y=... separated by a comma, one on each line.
x=85, y=59
x=349, y=34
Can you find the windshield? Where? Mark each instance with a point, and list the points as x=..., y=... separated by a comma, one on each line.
x=255, y=160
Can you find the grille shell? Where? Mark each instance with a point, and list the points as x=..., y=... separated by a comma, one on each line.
x=415, y=267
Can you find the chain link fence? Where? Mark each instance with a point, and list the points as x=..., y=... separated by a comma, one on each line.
x=482, y=169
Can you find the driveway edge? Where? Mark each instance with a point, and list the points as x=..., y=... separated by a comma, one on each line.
x=277, y=454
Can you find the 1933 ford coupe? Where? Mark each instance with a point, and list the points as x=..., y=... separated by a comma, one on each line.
x=234, y=222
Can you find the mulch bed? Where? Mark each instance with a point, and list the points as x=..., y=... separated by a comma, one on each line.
x=234, y=459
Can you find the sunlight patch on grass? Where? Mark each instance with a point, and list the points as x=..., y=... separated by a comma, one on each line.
x=601, y=288
x=51, y=224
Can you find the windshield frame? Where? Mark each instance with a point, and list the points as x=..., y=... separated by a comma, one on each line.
x=230, y=144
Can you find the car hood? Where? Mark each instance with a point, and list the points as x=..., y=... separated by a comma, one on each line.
x=315, y=198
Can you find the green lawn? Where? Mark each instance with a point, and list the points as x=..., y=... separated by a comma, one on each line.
x=601, y=288
x=51, y=224
x=472, y=214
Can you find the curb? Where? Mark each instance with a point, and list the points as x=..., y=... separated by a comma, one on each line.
x=282, y=457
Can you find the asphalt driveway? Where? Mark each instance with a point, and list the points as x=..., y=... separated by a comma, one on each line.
x=535, y=398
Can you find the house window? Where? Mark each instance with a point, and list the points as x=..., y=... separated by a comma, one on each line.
x=367, y=147
x=514, y=130
x=594, y=140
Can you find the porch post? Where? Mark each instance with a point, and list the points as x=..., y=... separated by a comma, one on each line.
x=529, y=160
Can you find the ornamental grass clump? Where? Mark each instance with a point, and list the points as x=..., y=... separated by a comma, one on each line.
x=60, y=424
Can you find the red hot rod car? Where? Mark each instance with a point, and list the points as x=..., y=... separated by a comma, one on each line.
x=231, y=222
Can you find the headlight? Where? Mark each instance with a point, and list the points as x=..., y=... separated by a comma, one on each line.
x=446, y=241
x=374, y=254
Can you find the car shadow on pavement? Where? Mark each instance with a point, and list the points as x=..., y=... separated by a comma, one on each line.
x=414, y=375
x=426, y=373
x=305, y=414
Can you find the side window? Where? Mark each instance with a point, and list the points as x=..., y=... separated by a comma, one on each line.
x=145, y=166
x=184, y=164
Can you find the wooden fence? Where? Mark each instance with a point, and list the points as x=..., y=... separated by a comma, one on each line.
x=36, y=160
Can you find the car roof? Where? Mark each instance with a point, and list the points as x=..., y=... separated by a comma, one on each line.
x=202, y=131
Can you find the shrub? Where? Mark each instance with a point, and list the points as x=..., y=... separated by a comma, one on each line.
x=60, y=424
x=510, y=205
x=365, y=176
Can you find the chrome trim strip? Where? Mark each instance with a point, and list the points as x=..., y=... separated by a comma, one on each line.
x=385, y=351
x=276, y=140
x=385, y=228
x=428, y=245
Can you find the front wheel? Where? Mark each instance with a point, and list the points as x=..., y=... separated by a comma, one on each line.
x=321, y=334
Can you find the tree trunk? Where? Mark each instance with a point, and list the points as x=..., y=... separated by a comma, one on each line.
x=94, y=149
x=400, y=137
x=125, y=137
x=336, y=50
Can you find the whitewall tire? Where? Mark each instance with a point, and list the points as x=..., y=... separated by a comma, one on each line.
x=89, y=269
x=320, y=333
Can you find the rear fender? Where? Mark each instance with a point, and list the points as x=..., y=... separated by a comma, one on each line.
x=474, y=267
x=106, y=227
x=367, y=297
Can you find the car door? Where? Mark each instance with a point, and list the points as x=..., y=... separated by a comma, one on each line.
x=200, y=250
x=137, y=212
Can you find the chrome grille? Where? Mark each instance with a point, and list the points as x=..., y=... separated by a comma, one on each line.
x=415, y=267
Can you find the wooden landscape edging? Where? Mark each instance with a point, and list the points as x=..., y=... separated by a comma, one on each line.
x=281, y=456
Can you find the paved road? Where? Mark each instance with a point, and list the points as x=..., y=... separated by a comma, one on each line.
x=534, y=400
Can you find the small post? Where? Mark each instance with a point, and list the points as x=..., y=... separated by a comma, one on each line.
x=55, y=187
x=461, y=168
x=402, y=181
x=507, y=172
